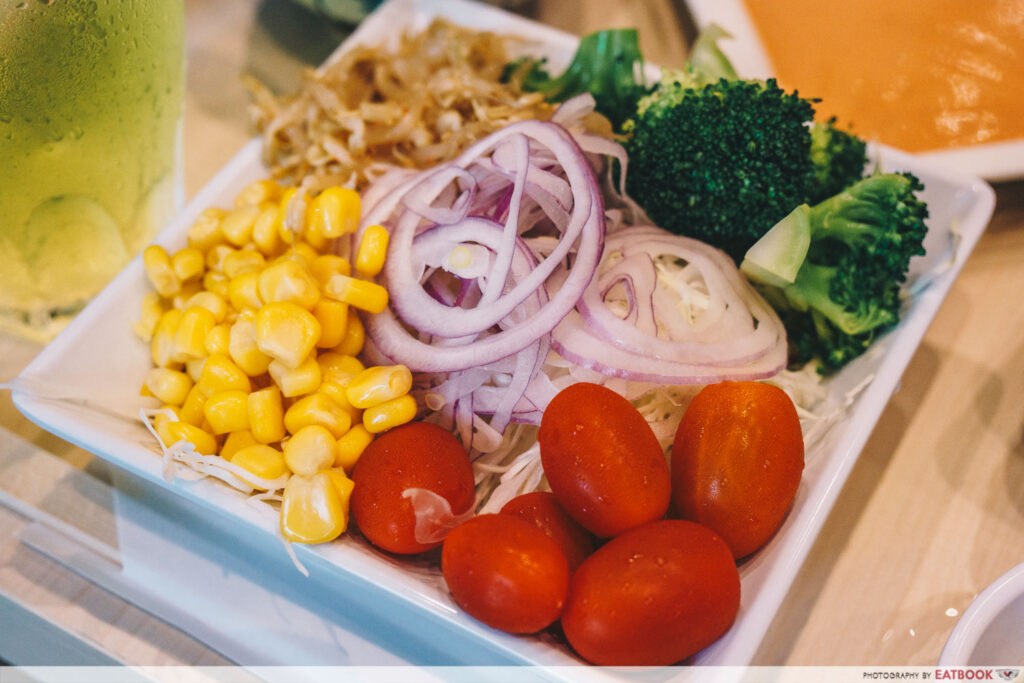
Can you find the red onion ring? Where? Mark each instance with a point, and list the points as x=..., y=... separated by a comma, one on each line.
x=745, y=340
x=545, y=168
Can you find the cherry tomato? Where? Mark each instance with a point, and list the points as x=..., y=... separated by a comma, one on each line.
x=415, y=455
x=737, y=460
x=652, y=596
x=542, y=509
x=505, y=572
x=602, y=460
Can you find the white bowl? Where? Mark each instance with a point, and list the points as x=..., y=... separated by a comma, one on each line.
x=993, y=161
x=991, y=631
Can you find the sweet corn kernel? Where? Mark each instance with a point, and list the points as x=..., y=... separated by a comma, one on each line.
x=289, y=281
x=216, y=283
x=314, y=239
x=244, y=292
x=327, y=265
x=336, y=392
x=216, y=255
x=214, y=303
x=311, y=510
x=192, y=408
x=311, y=449
x=303, y=253
x=378, y=384
x=150, y=312
x=373, y=247
x=205, y=233
x=266, y=415
x=355, y=336
x=187, y=291
x=265, y=231
x=334, y=212
x=389, y=414
x=235, y=442
x=227, y=411
x=333, y=318
x=243, y=261
x=220, y=374
x=217, y=340
x=170, y=386
x=339, y=367
x=247, y=314
x=298, y=381
x=351, y=446
x=188, y=263
x=161, y=346
x=363, y=294
x=317, y=409
x=266, y=462
x=190, y=335
x=166, y=438
x=162, y=419
x=257, y=192
x=243, y=349
x=237, y=224
x=286, y=332
x=343, y=485
x=203, y=441
x=194, y=368
x=160, y=271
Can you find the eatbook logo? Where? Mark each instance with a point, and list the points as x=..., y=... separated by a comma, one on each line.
x=976, y=674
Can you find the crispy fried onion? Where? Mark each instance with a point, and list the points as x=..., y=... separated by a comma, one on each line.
x=414, y=106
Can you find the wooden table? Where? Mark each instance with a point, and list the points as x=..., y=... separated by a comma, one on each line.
x=932, y=512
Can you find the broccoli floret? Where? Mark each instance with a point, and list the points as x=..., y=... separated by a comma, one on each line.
x=839, y=158
x=834, y=271
x=607, y=64
x=719, y=158
x=722, y=162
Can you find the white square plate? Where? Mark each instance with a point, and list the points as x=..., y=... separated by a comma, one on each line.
x=993, y=161
x=99, y=359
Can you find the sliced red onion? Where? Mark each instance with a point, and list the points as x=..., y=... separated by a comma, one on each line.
x=434, y=516
x=576, y=344
x=514, y=155
x=460, y=183
x=735, y=337
x=571, y=115
x=746, y=339
x=573, y=110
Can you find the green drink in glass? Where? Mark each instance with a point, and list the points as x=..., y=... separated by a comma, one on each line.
x=91, y=95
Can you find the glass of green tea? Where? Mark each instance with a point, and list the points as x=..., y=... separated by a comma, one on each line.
x=91, y=97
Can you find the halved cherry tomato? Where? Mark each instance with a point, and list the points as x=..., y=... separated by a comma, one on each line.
x=543, y=510
x=415, y=455
x=652, y=596
x=737, y=460
x=505, y=572
x=602, y=460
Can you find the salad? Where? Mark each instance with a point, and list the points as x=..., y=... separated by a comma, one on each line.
x=526, y=327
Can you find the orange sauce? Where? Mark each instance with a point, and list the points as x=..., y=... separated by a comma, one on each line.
x=914, y=74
